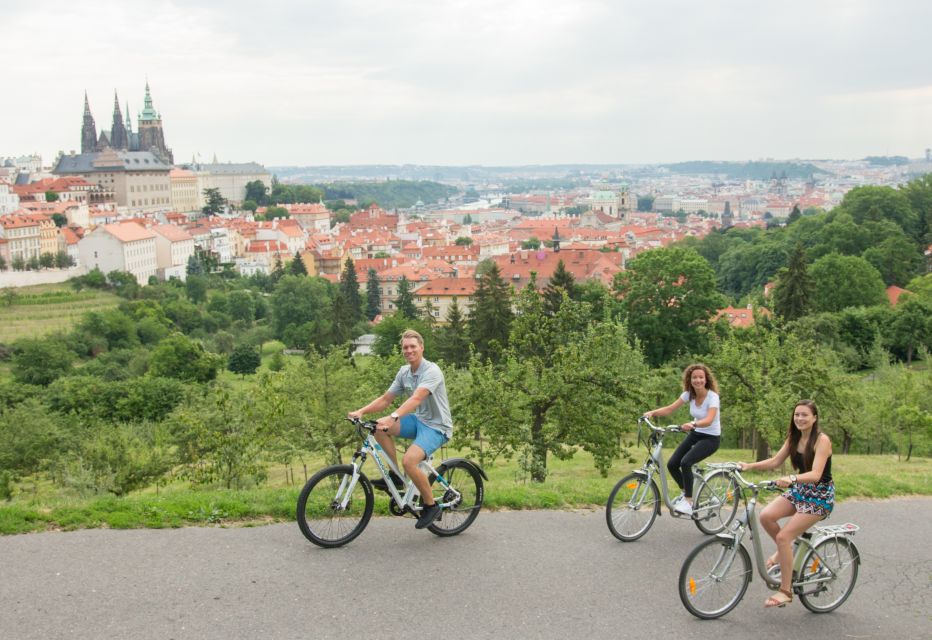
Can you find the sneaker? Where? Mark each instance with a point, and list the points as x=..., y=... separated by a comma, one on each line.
x=428, y=515
x=396, y=479
x=683, y=507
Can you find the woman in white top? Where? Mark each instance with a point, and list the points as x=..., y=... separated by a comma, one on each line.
x=700, y=390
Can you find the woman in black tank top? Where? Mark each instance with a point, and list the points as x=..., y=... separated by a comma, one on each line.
x=811, y=494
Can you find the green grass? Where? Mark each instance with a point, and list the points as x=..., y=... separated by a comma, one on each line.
x=571, y=484
x=44, y=309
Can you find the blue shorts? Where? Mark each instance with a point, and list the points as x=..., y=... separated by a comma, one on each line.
x=425, y=437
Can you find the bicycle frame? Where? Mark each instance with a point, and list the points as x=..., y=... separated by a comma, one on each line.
x=654, y=464
x=371, y=447
x=746, y=524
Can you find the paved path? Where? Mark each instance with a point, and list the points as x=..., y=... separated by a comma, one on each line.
x=531, y=574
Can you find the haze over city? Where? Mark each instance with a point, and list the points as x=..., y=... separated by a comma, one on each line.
x=524, y=82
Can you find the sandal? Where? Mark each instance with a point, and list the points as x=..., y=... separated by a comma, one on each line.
x=780, y=599
x=771, y=562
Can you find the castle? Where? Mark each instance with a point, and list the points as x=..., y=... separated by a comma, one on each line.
x=121, y=137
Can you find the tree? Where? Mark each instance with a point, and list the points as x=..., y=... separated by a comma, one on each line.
x=40, y=361
x=919, y=194
x=881, y=203
x=47, y=260
x=59, y=219
x=276, y=212
x=250, y=205
x=668, y=296
x=490, y=315
x=845, y=281
x=795, y=215
x=898, y=259
x=196, y=288
x=530, y=404
x=531, y=243
x=63, y=260
x=792, y=294
x=349, y=286
x=178, y=356
x=244, y=360
x=214, y=203
x=404, y=303
x=257, y=192
x=300, y=308
x=194, y=267
x=912, y=326
x=373, y=295
x=463, y=242
x=297, y=267
x=242, y=306
x=51, y=196
x=452, y=340
x=562, y=281
x=645, y=203
x=18, y=263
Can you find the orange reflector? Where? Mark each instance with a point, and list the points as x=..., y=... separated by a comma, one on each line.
x=632, y=485
x=815, y=565
x=692, y=587
x=730, y=494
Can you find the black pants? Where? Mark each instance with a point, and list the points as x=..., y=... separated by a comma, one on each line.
x=695, y=448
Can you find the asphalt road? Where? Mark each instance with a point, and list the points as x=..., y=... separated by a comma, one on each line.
x=531, y=574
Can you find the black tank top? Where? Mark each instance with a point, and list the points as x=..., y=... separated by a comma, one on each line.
x=796, y=458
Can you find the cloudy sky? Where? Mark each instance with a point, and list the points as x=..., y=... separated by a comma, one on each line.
x=494, y=82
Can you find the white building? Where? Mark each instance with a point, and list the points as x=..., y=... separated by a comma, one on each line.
x=231, y=179
x=120, y=247
x=9, y=201
x=173, y=247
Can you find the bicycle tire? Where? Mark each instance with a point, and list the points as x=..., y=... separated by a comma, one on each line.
x=320, y=520
x=706, y=595
x=716, y=503
x=632, y=507
x=836, y=557
x=466, y=479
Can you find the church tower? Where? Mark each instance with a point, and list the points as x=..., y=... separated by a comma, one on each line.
x=118, y=138
x=88, y=129
x=150, y=130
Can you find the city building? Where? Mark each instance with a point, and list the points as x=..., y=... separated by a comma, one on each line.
x=123, y=246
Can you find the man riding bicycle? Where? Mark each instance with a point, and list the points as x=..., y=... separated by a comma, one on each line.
x=423, y=417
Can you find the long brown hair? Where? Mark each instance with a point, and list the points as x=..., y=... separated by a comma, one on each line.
x=710, y=381
x=793, y=434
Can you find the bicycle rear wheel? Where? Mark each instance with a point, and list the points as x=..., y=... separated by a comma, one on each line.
x=833, y=565
x=464, y=479
x=632, y=507
x=716, y=503
x=714, y=578
x=327, y=515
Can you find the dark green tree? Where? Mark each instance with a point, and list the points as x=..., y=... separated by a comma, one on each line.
x=257, y=192
x=59, y=219
x=845, y=281
x=196, y=288
x=562, y=281
x=463, y=242
x=214, y=203
x=178, y=356
x=349, y=286
x=404, y=303
x=297, y=268
x=40, y=361
x=244, y=360
x=668, y=296
x=452, y=339
x=898, y=259
x=490, y=315
x=531, y=243
x=912, y=326
x=795, y=215
x=373, y=295
x=792, y=294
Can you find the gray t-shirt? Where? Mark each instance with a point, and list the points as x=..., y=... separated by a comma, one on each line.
x=434, y=411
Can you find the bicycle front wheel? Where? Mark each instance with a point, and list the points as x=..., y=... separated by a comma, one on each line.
x=714, y=578
x=632, y=507
x=716, y=503
x=464, y=496
x=330, y=511
x=832, y=569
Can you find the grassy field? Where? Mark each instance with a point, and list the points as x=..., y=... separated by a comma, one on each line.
x=572, y=484
x=31, y=312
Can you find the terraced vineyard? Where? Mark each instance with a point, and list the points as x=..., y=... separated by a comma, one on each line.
x=37, y=311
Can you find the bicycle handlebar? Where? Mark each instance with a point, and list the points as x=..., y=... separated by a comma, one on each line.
x=363, y=425
x=673, y=428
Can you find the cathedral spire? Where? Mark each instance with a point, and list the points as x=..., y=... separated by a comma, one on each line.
x=118, y=137
x=148, y=112
x=129, y=123
x=88, y=129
